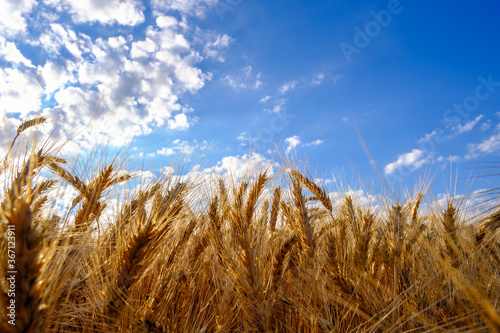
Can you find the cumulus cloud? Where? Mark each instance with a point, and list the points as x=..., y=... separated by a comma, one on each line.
x=412, y=160
x=14, y=15
x=54, y=76
x=360, y=197
x=124, y=12
x=112, y=88
x=165, y=151
x=240, y=166
x=10, y=53
x=19, y=91
x=292, y=142
x=180, y=122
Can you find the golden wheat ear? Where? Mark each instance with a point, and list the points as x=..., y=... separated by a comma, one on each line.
x=24, y=270
x=489, y=225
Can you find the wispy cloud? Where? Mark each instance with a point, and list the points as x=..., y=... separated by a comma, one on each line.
x=214, y=44
x=440, y=135
x=468, y=126
x=180, y=147
x=265, y=99
x=336, y=78
x=486, y=147
x=314, y=143
x=246, y=80
x=278, y=106
x=318, y=79
x=485, y=126
x=186, y=7
x=287, y=86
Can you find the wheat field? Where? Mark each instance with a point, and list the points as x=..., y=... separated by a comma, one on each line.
x=269, y=252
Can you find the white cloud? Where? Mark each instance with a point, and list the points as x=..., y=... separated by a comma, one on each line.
x=486, y=147
x=187, y=7
x=244, y=138
x=448, y=159
x=166, y=21
x=292, y=143
x=287, y=86
x=10, y=52
x=455, y=131
x=215, y=44
x=486, y=125
x=143, y=48
x=19, y=91
x=265, y=99
x=240, y=166
x=336, y=78
x=318, y=79
x=428, y=136
x=54, y=77
x=314, y=143
x=468, y=126
x=58, y=37
x=471, y=206
x=110, y=89
x=247, y=80
x=413, y=160
x=180, y=122
x=13, y=15
x=360, y=198
x=8, y=129
x=180, y=147
x=124, y=12
x=278, y=106
x=165, y=151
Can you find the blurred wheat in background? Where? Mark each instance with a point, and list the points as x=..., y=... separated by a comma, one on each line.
x=265, y=253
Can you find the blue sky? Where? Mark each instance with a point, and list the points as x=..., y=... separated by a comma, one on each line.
x=413, y=84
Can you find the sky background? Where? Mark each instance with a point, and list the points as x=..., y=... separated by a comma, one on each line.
x=412, y=87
